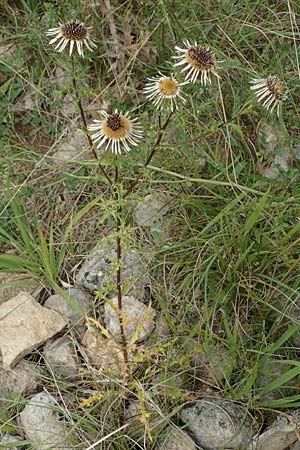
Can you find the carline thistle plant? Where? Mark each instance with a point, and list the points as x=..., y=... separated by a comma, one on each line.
x=269, y=91
x=118, y=132
x=198, y=60
x=71, y=33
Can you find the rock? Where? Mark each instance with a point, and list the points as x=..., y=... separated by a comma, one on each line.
x=11, y=439
x=11, y=284
x=211, y=364
x=175, y=439
x=74, y=148
x=103, y=353
x=61, y=357
x=23, y=379
x=149, y=212
x=137, y=317
x=41, y=424
x=270, y=140
x=24, y=103
x=274, y=148
x=295, y=446
x=60, y=305
x=97, y=272
x=217, y=424
x=279, y=436
x=24, y=317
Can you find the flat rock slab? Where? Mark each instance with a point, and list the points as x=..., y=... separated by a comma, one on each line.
x=25, y=325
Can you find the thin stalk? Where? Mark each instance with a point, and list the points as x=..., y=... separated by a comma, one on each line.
x=82, y=114
x=152, y=153
x=118, y=278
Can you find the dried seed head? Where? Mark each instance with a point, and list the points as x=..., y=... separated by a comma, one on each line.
x=269, y=91
x=71, y=33
x=198, y=61
x=73, y=30
x=201, y=58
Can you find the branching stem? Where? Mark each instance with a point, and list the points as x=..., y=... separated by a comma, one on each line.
x=152, y=153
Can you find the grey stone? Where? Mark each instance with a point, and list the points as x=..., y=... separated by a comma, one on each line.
x=10, y=439
x=279, y=436
x=24, y=317
x=149, y=211
x=41, y=424
x=103, y=353
x=22, y=379
x=12, y=284
x=137, y=317
x=61, y=305
x=295, y=446
x=217, y=424
x=150, y=214
x=274, y=147
x=74, y=148
x=98, y=272
x=175, y=439
x=61, y=357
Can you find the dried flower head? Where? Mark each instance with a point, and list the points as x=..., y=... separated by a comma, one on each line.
x=164, y=91
x=71, y=32
x=116, y=131
x=270, y=91
x=197, y=60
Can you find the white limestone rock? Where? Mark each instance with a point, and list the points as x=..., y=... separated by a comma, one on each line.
x=25, y=325
x=41, y=424
x=137, y=318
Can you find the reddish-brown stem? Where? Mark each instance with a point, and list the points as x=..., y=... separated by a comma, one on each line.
x=152, y=153
x=119, y=279
x=76, y=92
